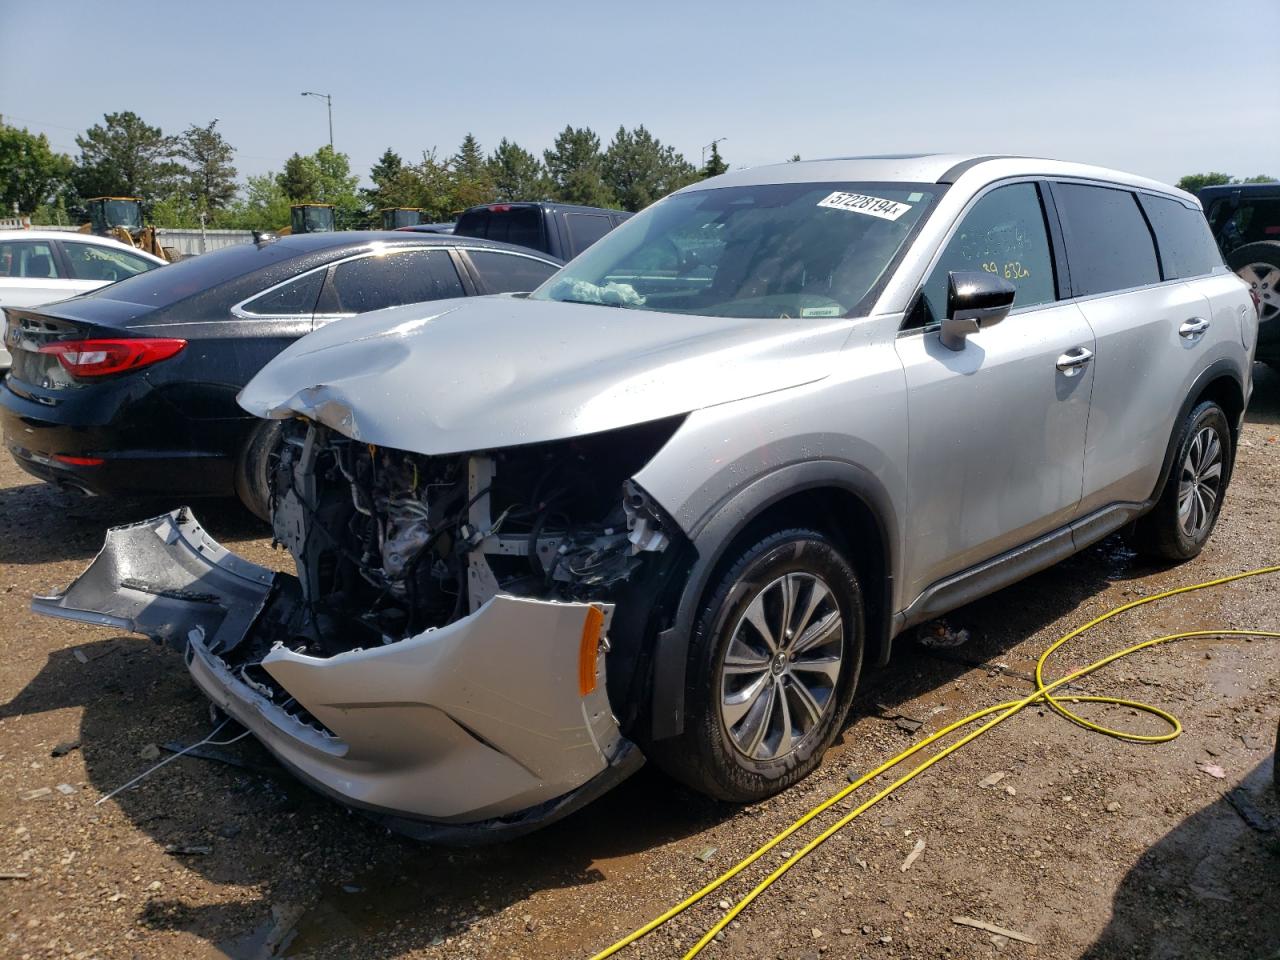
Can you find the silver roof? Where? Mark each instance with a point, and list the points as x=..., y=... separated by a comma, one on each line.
x=977, y=169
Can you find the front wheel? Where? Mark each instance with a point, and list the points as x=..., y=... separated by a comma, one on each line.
x=1179, y=525
x=253, y=468
x=773, y=660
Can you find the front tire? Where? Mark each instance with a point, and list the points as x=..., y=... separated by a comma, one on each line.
x=1180, y=524
x=773, y=661
x=253, y=468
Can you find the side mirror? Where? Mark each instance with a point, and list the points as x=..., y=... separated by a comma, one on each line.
x=975, y=300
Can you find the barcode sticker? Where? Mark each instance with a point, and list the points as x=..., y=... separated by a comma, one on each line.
x=861, y=203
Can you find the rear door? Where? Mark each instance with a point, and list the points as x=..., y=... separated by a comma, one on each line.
x=1147, y=340
x=31, y=274
x=997, y=429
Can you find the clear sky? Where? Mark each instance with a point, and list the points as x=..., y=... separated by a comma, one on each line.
x=1160, y=88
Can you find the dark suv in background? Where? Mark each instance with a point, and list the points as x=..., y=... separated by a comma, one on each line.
x=1245, y=219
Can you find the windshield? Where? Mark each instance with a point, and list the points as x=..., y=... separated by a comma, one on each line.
x=123, y=213
x=776, y=250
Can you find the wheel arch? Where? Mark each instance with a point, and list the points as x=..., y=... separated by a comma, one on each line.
x=839, y=498
x=1223, y=383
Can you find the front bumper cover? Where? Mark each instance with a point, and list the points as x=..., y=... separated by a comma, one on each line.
x=472, y=730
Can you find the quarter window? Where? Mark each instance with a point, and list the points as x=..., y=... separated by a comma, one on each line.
x=509, y=273
x=93, y=261
x=28, y=258
x=294, y=299
x=1187, y=247
x=1109, y=245
x=392, y=279
x=1003, y=234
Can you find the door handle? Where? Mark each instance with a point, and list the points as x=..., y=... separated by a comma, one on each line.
x=1073, y=361
x=1193, y=328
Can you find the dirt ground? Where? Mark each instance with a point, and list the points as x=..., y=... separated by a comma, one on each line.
x=1088, y=846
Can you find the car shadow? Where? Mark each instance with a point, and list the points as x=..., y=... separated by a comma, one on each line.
x=44, y=524
x=1264, y=405
x=1208, y=889
x=328, y=876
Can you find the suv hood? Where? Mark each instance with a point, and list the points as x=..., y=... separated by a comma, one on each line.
x=491, y=372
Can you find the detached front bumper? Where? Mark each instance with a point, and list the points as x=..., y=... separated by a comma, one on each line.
x=476, y=729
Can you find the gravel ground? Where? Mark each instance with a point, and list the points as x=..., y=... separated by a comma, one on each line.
x=1088, y=846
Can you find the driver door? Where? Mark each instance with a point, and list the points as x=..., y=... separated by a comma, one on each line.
x=996, y=429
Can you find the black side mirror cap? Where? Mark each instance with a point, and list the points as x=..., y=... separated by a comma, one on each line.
x=975, y=300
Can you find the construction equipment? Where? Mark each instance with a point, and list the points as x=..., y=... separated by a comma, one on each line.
x=309, y=218
x=393, y=218
x=121, y=219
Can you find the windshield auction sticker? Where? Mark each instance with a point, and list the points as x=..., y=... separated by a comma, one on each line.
x=861, y=203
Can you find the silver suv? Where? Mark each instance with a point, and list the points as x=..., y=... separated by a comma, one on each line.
x=667, y=505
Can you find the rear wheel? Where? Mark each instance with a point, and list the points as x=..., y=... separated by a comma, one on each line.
x=253, y=468
x=1258, y=264
x=773, y=661
x=1179, y=525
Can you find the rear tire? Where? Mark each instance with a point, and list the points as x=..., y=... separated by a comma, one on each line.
x=773, y=661
x=1258, y=264
x=253, y=467
x=1179, y=525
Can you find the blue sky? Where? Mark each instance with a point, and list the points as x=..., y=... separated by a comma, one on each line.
x=1150, y=87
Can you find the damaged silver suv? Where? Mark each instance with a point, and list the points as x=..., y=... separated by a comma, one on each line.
x=669, y=504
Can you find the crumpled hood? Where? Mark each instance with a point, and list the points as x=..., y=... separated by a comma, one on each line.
x=489, y=372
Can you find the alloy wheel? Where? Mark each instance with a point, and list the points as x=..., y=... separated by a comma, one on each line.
x=1264, y=281
x=1200, y=483
x=782, y=666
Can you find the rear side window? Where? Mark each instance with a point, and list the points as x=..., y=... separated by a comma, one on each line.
x=1109, y=245
x=509, y=272
x=296, y=298
x=92, y=261
x=519, y=225
x=585, y=229
x=32, y=259
x=1002, y=234
x=1186, y=244
x=391, y=279
x=1236, y=221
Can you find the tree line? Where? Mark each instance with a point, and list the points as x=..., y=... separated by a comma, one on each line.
x=188, y=177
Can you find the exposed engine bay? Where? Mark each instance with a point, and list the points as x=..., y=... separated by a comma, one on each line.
x=389, y=544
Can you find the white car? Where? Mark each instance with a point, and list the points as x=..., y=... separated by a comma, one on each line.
x=40, y=266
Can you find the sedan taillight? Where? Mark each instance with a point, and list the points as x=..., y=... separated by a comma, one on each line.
x=100, y=358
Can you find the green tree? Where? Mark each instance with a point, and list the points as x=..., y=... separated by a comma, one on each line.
x=434, y=182
x=300, y=179
x=473, y=181
x=263, y=206
x=795, y=158
x=1195, y=181
x=638, y=169
x=126, y=157
x=574, y=164
x=211, y=179
x=31, y=173
x=716, y=165
x=517, y=174
x=1260, y=178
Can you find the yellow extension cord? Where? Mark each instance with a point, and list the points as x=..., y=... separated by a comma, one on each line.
x=1042, y=693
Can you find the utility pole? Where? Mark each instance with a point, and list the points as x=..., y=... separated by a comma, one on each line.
x=708, y=147
x=329, y=102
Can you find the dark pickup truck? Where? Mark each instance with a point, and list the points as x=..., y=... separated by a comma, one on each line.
x=1245, y=220
x=563, y=230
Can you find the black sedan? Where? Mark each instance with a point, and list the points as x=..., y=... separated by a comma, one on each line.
x=131, y=389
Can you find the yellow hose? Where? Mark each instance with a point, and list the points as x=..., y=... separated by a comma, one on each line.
x=1043, y=692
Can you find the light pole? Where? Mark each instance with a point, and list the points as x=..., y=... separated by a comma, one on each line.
x=329, y=101
x=708, y=147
